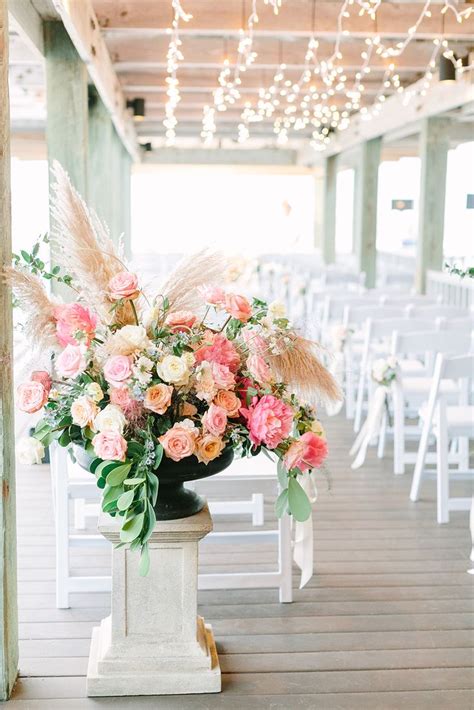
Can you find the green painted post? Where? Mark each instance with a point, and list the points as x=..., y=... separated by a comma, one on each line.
x=365, y=209
x=329, y=232
x=126, y=174
x=8, y=577
x=434, y=146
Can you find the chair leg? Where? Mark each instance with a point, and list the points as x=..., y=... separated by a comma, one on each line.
x=382, y=437
x=398, y=432
x=420, y=461
x=285, y=561
x=60, y=473
x=360, y=400
x=442, y=476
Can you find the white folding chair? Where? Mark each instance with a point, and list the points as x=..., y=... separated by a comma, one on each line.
x=437, y=311
x=408, y=393
x=447, y=422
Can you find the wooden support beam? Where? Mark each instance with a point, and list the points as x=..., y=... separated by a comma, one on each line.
x=434, y=146
x=365, y=209
x=330, y=189
x=83, y=28
x=202, y=156
x=26, y=21
x=8, y=585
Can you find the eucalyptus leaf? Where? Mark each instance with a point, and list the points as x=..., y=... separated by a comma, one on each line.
x=125, y=500
x=282, y=474
x=281, y=504
x=153, y=484
x=131, y=529
x=133, y=481
x=298, y=501
x=106, y=467
x=111, y=494
x=119, y=474
x=158, y=455
x=144, y=565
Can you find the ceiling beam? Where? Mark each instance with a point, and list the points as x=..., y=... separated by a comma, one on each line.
x=203, y=156
x=81, y=24
x=27, y=23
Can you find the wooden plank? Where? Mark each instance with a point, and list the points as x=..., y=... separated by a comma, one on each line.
x=8, y=608
x=27, y=22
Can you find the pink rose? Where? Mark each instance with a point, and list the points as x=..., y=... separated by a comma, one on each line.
x=74, y=324
x=71, y=362
x=212, y=295
x=217, y=348
x=43, y=377
x=255, y=342
x=229, y=401
x=259, y=369
x=158, y=398
x=31, y=396
x=306, y=453
x=124, y=285
x=238, y=307
x=215, y=420
x=180, y=321
x=269, y=420
x=222, y=376
x=110, y=446
x=117, y=370
x=178, y=442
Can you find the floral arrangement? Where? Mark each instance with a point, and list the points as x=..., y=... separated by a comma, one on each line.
x=384, y=370
x=186, y=373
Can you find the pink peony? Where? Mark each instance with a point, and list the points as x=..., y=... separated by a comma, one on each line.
x=43, y=377
x=229, y=401
x=178, y=442
x=117, y=370
x=306, y=453
x=180, y=321
x=31, y=396
x=124, y=285
x=110, y=446
x=215, y=420
x=158, y=398
x=74, y=324
x=222, y=376
x=269, y=420
x=238, y=307
x=212, y=295
x=259, y=369
x=71, y=362
x=217, y=348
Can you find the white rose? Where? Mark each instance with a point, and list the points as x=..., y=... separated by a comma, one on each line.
x=204, y=384
x=379, y=369
x=392, y=362
x=94, y=391
x=29, y=451
x=111, y=418
x=277, y=310
x=84, y=411
x=129, y=339
x=173, y=369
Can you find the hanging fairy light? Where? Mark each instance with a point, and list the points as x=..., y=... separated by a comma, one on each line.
x=276, y=4
x=208, y=125
x=173, y=58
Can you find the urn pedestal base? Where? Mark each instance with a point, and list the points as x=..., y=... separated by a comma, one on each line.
x=153, y=643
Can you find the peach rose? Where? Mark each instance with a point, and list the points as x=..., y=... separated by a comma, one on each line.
x=259, y=369
x=180, y=321
x=178, y=442
x=83, y=411
x=238, y=307
x=186, y=409
x=215, y=420
x=158, y=398
x=124, y=285
x=212, y=295
x=117, y=370
x=208, y=448
x=121, y=397
x=229, y=401
x=43, y=377
x=31, y=396
x=71, y=362
x=110, y=446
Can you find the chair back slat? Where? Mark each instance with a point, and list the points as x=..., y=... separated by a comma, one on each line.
x=458, y=367
x=458, y=342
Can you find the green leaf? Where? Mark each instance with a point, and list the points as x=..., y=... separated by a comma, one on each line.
x=298, y=501
x=119, y=474
x=153, y=484
x=64, y=439
x=106, y=467
x=111, y=494
x=158, y=455
x=135, y=450
x=281, y=504
x=150, y=521
x=144, y=565
x=55, y=270
x=131, y=529
x=26, y=256
x=94, y=464
x=282, y=474
x=125, y=500
x=133, y=481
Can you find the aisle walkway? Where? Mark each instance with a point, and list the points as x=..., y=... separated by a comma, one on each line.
x=385, y=623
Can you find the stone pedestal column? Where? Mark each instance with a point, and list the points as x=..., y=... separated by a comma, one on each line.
x=153, y=643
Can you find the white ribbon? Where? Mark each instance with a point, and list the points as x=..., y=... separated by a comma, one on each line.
x=371, y=426
x=303, y=533
x=336, y=368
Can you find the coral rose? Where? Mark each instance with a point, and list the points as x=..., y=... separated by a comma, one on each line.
x=178, y=442
x=83, y=411
x=259, y=369
x=215, y=420
x=208, y=448
x=123, y=285
x=117, y=370
x=75, y=324
x=238, y=307
x=186, y=409
x=43, y=377
x=31, y=396
x=110, y=446
x=269, y=421
x=158, y=398
x=212, y=295
x=217, y=348
x=71, y=362
x=229, y=401
x=180, y=321
x=307, y=453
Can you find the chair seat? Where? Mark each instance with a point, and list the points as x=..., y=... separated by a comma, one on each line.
x=459, y=419
x=422, y=385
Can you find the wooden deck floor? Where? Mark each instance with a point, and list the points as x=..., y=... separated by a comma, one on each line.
x=386, y=622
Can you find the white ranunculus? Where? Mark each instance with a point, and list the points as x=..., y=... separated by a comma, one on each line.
x=94, y=391
x=173, y=369
x=277, y=309
x=29, y=451
x=129, y=339
x=111, y=418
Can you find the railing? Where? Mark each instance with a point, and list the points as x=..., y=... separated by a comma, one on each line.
x=452, y=289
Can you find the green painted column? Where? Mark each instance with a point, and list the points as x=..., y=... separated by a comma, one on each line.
x=365, y=209
x=126, y=175
x=8, y=591
x=434, y=146
x=329, y=228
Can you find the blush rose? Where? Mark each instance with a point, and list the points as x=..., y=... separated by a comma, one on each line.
x=71, y=362
x=238, y=307
x=31, y=396
x=110, y=446
x=124, y=285
x=117, y=370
